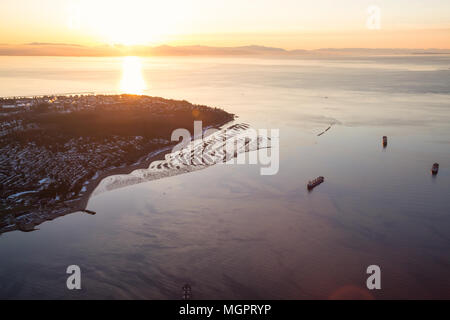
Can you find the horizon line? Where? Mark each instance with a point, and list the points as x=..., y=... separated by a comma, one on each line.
x=143, y=50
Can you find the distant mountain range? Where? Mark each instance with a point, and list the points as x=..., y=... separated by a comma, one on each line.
x=62, y=49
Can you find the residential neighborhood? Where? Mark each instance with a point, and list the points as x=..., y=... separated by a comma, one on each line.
x=53, y=149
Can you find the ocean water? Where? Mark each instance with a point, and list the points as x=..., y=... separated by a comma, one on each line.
x=235, y=234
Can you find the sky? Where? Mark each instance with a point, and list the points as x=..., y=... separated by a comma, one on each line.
x=289, y=24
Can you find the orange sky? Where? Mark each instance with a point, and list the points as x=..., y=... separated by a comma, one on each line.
x=289, y=24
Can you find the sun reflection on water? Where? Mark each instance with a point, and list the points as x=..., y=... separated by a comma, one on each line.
x=132, y=81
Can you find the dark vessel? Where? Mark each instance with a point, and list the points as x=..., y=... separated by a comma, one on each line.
x=435, y=169
x=385, y=141
x=314, y=183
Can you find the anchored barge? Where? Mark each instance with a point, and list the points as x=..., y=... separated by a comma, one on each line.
x=435, y=169
x=92, y=213
x=314, y=183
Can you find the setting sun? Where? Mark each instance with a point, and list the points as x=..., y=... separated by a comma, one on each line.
x=125, y=23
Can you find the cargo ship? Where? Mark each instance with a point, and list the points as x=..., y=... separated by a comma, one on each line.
x=314, y=183
x=435, y=169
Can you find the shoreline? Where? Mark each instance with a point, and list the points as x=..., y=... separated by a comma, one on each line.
x=80, y=204
x=141, y=164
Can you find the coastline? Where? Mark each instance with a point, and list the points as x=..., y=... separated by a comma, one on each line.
x=81, y=203
x=33, y=219
x=143, y=163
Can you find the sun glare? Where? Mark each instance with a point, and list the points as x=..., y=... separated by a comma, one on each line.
x=129, y=23
x=132, y=81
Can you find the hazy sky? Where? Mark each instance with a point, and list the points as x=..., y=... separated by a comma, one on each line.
x=292, y=24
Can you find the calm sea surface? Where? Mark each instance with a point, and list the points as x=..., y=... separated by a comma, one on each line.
x=234, y=234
